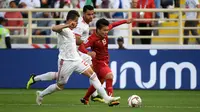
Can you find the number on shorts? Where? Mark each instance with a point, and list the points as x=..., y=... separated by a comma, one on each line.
x=86, y=64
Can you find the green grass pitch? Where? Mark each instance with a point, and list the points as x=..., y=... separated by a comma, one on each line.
x=20, y=100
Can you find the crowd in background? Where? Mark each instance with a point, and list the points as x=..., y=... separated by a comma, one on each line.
x=70, y=4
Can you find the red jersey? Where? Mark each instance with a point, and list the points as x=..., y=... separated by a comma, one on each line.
x=98, y=45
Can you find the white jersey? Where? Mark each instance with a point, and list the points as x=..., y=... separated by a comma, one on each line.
x=82, y=29
x=67, y=45
x=191, y=4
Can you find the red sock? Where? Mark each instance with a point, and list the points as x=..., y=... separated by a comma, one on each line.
x=90, y=91
x=109, y=87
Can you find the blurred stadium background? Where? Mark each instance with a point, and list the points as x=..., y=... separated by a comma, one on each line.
x=164, y=73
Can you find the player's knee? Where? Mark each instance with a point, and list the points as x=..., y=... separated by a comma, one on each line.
x=109, y=76
x=93, y=76
x=89, y=72
x=60, y=86
x=54, y=75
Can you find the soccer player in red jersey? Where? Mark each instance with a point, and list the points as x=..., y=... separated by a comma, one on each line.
x=98, y=42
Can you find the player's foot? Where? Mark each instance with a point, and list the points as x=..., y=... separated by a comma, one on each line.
x=30, y=81
x=38, y=98
x=84, y=101
x=113, y=103
x=97, y=98
x=112, y=99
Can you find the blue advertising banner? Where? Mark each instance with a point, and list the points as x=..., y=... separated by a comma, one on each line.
x=132, y=69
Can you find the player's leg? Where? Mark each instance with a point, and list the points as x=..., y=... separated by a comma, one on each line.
x=98, y=86
x=109, y=88
x=90, y=91
x=107, y=74
x=42, y=77
x=49, y=90
x=65, y=70
x=95, y=97
x=85, y=69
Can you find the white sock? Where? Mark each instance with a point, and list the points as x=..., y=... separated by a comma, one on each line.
x=46, y=76
x=95, y=93
x=97, y=85
x=52, y=88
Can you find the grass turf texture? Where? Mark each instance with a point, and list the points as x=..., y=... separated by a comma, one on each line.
x=20, y=100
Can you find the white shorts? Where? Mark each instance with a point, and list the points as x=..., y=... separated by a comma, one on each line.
x=67, y=67
x=86, y=57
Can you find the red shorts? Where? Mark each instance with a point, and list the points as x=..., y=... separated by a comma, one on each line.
x=101, y=69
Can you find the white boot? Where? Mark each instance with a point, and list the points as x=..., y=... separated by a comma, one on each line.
x=38, y=98
x=112, y=99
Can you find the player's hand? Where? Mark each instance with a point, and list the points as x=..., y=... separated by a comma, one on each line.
x=72, y=24
x=92, y=54
x=130, y=20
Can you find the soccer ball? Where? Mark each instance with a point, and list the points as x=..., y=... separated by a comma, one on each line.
x=134, y=101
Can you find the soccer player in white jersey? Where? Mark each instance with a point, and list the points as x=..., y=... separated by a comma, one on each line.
x=69, y=61
x=82, y=33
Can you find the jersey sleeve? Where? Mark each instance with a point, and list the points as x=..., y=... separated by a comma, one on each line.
x=83, y=47
x=117, y=23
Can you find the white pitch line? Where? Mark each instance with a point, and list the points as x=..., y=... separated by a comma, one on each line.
x=58, y=105
x=189, y=107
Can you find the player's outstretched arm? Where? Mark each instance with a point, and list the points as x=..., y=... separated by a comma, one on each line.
x=117, y=23
x=58, y=28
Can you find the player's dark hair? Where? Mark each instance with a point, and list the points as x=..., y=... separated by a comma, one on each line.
x=72, y=14
x=102, y=22
x=87, y=7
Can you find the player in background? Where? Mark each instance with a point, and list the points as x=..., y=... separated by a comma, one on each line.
x=69, y=61
x=98, y=42
x=82, y=33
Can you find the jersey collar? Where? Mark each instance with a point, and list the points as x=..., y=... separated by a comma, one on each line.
x=84, y=20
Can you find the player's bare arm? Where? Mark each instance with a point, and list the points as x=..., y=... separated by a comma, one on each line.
x=58, y=28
